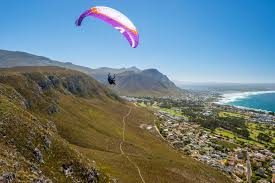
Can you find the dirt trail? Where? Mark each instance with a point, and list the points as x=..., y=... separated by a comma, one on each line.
x=121, y=144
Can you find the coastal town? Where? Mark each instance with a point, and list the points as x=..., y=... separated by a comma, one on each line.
x=243, y=157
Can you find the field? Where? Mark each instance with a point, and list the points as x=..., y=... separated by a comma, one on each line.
x=231, y=114
x=255, y=129
x=230, y=135
x=172, y=112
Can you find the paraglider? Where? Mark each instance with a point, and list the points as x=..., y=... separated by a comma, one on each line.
x=111, y=79
x=116, y=19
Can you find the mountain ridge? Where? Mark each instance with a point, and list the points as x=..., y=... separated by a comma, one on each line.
x=144, y=82
x=131, y=81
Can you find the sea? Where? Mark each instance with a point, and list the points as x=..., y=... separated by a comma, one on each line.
x=260, y=100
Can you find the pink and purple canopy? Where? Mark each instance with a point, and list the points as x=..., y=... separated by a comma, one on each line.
x=116, y=19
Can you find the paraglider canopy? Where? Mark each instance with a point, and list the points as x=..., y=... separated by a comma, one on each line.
x=114, y=18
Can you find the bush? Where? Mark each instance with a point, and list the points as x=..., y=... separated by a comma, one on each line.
x=264, y=137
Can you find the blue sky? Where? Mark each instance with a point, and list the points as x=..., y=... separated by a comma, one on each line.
x=188, y=40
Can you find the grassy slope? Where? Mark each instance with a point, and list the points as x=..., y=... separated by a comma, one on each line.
x=22, y=132
x=102, y=135
x=92, y=125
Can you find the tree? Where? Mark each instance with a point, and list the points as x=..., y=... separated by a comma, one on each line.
x=264, y=137
x=243, y=132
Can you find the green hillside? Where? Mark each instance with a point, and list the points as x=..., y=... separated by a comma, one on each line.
x=55, y=122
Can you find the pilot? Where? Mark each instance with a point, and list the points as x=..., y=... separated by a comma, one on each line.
x=111, y=79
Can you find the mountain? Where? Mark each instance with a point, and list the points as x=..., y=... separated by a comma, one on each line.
x=146, y=82
x=33, y=140
x=135, y=82
x=131, y=81
x=226, y=87
x=16, y=59
x=61, y=125
x=100, y=74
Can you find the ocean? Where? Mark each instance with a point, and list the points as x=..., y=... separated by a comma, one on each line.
x=264, y=100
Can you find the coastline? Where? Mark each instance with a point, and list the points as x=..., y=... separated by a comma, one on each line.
x=228, y=98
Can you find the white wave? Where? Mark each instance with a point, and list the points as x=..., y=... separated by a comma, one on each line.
x=233, y=97
x=252, y=109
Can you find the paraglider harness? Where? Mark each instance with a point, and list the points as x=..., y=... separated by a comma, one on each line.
x=111, y=79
